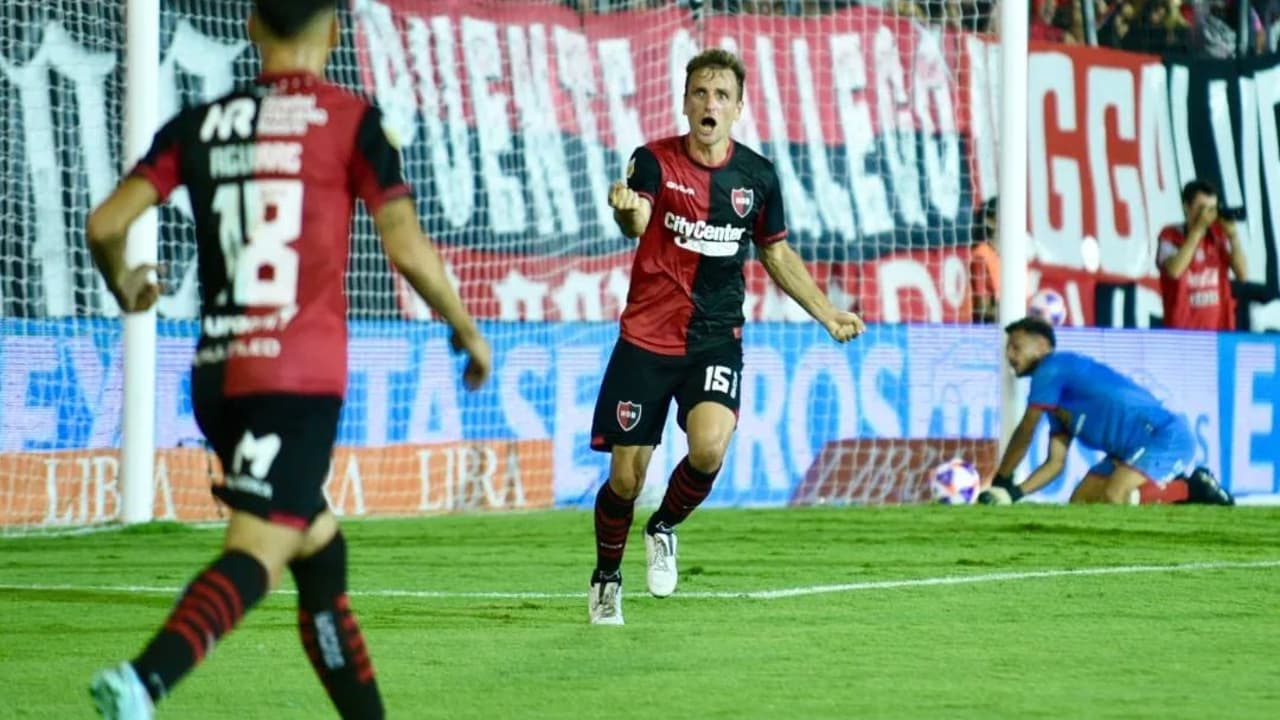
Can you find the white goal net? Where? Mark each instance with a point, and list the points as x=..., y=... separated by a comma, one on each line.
x=515, y=117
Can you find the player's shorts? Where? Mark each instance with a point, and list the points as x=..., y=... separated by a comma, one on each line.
x=1166, y=452
x=638, y=386
x=275, y=451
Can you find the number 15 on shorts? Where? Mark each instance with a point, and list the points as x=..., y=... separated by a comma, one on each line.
x=721, y=379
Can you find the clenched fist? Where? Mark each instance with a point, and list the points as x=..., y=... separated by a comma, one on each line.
x=138, y=288
x=623, y=198
x=479, y=357
x=845, y=326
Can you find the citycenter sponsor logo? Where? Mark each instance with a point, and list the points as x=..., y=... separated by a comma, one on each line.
x=702, y=237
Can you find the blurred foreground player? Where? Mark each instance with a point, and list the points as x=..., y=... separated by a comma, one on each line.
x=273, y=172
x=1148, y=447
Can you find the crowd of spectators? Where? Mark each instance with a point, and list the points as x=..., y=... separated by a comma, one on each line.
x=1187, y=27
x=1208, y=28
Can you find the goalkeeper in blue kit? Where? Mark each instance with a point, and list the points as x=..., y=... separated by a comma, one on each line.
x=1149, y=449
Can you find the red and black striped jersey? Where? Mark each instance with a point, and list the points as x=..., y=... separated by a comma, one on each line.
x=273, y=172
x=687, y=285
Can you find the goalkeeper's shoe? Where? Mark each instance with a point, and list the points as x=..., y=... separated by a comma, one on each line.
x=604, y=604
x=660, y=553
x=1203, y=488
x=119, y=694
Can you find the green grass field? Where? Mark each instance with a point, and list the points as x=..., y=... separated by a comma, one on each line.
x=1175, y=613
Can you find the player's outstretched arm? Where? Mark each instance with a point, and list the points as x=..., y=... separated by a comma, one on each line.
x=415, y=256
x=136, y=287
x=1051, y=467
x=788, y=271
x=1013, y=454
x=631, y=210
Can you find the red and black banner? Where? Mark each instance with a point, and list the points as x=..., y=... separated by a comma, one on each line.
x=515, y=117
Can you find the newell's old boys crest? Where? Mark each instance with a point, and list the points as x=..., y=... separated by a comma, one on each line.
x=743, y=199
x=628, y=415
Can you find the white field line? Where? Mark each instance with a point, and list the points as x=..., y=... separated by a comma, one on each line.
x=40, y=533
x=720, y=595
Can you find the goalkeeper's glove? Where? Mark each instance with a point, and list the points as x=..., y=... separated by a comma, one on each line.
x=1004, y=482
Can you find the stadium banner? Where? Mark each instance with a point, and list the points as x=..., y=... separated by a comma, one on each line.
x=868, y=116
x=515, y=117
x=1113, y=138
x=1249, y=402
x=80, y=487
x=415, y=441
x=909, y=286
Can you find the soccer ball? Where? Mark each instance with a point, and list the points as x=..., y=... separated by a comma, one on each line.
x=1049, y=306
x=955, y=482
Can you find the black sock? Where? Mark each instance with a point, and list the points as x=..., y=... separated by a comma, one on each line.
x=686, y=490
x=613, y=522
x=330, y=634
x=210, y=607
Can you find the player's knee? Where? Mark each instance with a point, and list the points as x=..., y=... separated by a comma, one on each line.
x=272, y=562
x=627, y=473
x=270, y=544
x=709, y=429
x=275, y=566
x=706, y=453
x=1118, y=494
x=319, y=534
x=322, y=576
x=1082, y=495
x=626, y=485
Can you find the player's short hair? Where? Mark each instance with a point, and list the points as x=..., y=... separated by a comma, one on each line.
x=287, y=18
x=1034, y=326
x=1197, y=187
x=716, y=59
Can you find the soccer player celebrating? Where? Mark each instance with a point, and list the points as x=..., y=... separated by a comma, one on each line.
x=1147, y=447
x=696, y=202
x=273, y=173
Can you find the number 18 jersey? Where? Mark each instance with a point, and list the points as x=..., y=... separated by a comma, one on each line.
x=273, y=172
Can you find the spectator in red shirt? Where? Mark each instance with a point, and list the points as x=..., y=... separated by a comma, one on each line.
x=1041, y=22
x=1194, y=258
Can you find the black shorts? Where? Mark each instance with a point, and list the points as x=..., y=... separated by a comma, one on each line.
x=638, y=385
x=275, y=451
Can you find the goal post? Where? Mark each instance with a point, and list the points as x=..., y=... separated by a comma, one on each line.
x=138, y=431
x=1014, y=238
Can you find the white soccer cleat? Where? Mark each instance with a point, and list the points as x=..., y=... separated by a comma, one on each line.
x=119, y=694
x=660, y=553
x=604, y=603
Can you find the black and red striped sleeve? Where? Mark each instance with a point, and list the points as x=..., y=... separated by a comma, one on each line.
x=161, y=165
x=771, y=221
x=644, y=174
x=376, y=172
